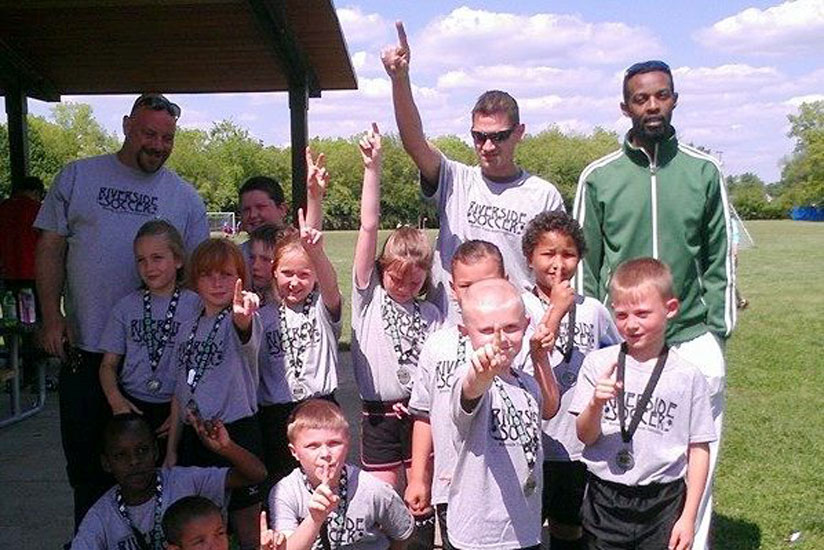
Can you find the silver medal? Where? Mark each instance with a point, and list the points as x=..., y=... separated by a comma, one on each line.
x=404, y=375
x=530, y=485
x=153, y=385
x=624, y=459
x=299, y=393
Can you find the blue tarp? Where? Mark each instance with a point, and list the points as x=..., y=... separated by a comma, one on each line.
x=808, y=213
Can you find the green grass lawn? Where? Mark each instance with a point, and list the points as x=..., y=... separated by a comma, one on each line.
x=771, y=476
x=770, y=480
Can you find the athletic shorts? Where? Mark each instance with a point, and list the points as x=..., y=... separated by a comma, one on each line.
x=621, y=516
x=246, y=433
x=386, y=440
x=564, y=484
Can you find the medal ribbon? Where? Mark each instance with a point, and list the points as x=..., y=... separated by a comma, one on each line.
x=527, y=429
x=202, y=358
x=337, y=517
x=156, y=535
x=641, y=405
x=390, y=316
x=155, y=353
x=294, y=357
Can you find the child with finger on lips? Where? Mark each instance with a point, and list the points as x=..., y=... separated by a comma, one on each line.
x=327, y=503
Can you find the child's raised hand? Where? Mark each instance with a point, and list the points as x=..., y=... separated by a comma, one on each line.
x=370, y=147
x=487, y=360
x=607, y=387
x=212, y=433
x=244, y=306
x=543, y=339
x=562, y=295
x=317, y=178
x=269, y=539
x=323, y=499
x=396, y=58
x=311, y=238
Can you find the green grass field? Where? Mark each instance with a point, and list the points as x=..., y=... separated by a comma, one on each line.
x=771, y=477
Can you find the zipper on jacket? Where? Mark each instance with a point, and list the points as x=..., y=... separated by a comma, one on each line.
x=653, y=169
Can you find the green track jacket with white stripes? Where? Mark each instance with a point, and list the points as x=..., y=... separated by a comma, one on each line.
x=673, y=207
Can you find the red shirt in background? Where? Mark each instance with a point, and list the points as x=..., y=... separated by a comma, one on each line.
x=18, y=238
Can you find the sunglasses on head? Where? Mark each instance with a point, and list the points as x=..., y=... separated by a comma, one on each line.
x=496, y=137
x=157, y=102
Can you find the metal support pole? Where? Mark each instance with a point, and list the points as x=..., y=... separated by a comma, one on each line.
x=16, y=111
x=298, y=107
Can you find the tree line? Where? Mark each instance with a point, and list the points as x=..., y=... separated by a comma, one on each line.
x=217, y=161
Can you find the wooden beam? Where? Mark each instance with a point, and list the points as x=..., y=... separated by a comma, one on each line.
x=274, y=25
x=16, y=111
x=298, y=107
x=18, y=72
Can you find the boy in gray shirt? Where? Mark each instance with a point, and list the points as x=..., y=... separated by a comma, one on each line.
x=129, y=514
x=645, y=420
x=495, y=495
x=326, y=503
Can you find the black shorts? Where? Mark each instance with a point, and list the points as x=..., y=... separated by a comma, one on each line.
x=621, y=516
x=273, y=421
x=246, y=433
x=564, y=484
x=386, y=440
x=440, y=512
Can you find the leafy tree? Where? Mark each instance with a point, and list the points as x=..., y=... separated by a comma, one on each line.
x=803, y=173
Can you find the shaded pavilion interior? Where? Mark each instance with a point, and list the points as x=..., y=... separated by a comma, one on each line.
x=50, y=48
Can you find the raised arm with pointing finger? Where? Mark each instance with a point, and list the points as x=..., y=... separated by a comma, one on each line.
x=426, y=157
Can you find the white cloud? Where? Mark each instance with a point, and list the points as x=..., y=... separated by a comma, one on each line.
x=724, y=78
x=522, y=80
x=791, y=27
x=468, y=37
x=798, y=100
x=363, y=28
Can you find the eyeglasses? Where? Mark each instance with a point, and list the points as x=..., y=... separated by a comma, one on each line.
x=496, y=137
x=157, y=102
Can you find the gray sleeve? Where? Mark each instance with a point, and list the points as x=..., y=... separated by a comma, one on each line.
x=116, y=332
x=197, y=225
x=609, y=332
x=251, y=348
x=462, y=418
x=702, y=427
x=211, y=483
x=91, y=533
x=393, y=516
x=54, y=212
x=362, y=296
x=585, y=388
x=446, y=178
x=284, y=505
x=335, y=325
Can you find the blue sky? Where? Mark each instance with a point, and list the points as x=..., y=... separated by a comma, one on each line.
x=740, y=68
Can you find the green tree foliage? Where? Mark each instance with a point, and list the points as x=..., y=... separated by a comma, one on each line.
x=753, y=199
x=803, y=173
x=72, y=133
x=560, y=158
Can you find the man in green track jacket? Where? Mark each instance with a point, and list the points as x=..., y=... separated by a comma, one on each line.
x=658, y=197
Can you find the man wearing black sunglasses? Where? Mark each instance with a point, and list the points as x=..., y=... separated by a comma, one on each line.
x=88, y=222
x=659, y=197
x=492, y=201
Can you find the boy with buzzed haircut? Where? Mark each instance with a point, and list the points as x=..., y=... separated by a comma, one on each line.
x=129, y=514
x=443, y=352
x=645, y=420
x=261, y=258
x=495, y=494
x=326, y=503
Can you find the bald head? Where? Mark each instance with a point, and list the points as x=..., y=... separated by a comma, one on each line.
x=488, y=297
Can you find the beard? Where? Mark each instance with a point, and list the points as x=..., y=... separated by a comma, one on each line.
x=659, y=131
x=150, y=162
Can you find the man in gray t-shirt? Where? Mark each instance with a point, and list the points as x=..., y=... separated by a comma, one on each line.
x=492, y=201
x=85, y=258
